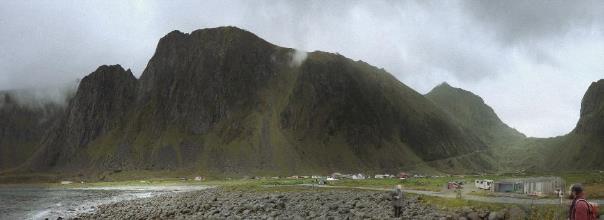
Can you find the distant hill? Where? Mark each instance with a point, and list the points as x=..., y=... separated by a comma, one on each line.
x=222, y=100
x=580, y=150
x=506, y=144
x=472, y=112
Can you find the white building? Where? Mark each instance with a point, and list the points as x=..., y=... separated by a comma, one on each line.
x=483, y=184
x=359, y=176
x=383, y=176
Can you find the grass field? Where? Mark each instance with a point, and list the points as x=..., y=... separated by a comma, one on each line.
x=535, y=212
x=424, y=183
x=593, y=181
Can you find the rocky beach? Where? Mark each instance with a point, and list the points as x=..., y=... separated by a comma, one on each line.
x=221, y=203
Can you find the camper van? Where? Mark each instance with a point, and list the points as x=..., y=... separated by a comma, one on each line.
x=483, y=184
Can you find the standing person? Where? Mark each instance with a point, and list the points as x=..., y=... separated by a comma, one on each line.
x=580, y=209
x=397, y=201
x=560, y=194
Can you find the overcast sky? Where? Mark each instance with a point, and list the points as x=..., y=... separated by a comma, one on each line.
x=532, y=61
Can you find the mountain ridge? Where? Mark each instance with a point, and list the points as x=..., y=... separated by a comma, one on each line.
x=223, y=100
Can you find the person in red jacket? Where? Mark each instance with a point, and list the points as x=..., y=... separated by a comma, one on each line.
x=580, y=209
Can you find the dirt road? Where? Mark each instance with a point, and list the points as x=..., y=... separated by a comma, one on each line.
x=509, y=200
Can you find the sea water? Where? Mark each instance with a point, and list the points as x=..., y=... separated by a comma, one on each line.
x=51, y=202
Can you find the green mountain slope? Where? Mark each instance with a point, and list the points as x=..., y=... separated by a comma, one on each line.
x=580, y=150
x=471, y=111
x=510, y=148
x=223, y=100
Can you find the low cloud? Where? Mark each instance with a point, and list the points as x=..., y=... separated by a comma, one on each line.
x=40, y=97
x=298, y=57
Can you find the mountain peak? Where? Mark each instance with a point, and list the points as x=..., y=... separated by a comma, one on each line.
x=444, y=84
x=471, y=110
x=444, y=87
x=99, y=105
x=108, y=73
x=223, y=30
x=110, y=68
x=592, y=109
x=593, y=99
x=223, y=33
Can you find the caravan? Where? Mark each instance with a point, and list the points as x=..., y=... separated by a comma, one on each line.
x=483, y=184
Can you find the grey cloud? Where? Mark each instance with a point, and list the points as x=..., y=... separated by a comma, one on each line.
x=519, y=21
x=46, y=43
x=41, y=96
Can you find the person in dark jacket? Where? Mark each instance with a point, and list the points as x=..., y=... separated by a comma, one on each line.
x=397, y=201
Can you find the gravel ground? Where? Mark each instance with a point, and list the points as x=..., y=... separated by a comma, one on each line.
x=228, y=204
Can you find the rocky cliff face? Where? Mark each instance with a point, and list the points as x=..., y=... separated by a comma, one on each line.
x=591, y=121
x=101, y=103
x=222, y=100
x=201, y=78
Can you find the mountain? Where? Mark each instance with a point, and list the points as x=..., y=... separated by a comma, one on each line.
x=583, y=148
x=580, y=150
x=591, y=121
x=99, y=106
x=222, y=100
x=24, y=124
x=509, y=147
x=472, y=112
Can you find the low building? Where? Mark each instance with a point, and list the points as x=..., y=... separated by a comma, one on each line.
x=507, y=187
x=531, y=186
x=341, y=176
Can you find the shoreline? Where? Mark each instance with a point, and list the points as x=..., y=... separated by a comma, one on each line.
x=34, y=202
